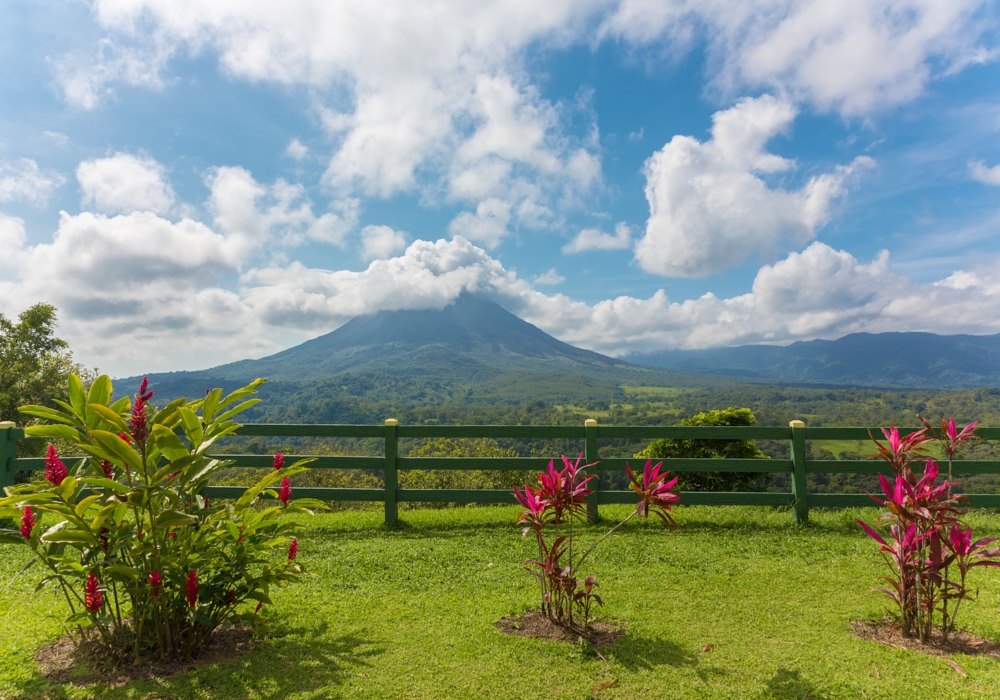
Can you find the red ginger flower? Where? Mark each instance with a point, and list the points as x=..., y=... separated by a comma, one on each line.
x=230, y=596
x=137, y=424
x=155, y=581
x=27, y=522
x=192, y=588
x=285, y=495
x=93, y=599
x=108, y=468
x=279, y=461
x=293, y=550
x=654, y=492
x=55, y=470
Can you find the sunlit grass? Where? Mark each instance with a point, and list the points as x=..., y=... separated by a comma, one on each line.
x=409, y=612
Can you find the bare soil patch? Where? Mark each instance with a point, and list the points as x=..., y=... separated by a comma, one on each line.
x=887, y=632
x=537, y=624
x=65, y=662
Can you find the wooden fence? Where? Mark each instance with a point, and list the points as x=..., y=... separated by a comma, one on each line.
x=391, y=463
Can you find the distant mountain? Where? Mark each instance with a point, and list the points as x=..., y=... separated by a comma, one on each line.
x=472, y=342
x=863, y=359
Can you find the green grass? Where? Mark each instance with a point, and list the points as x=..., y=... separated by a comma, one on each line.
x=410, y=613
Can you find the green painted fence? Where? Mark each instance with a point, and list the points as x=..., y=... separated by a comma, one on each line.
x=391, y=464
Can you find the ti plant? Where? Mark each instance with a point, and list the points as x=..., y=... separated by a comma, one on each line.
x=928, y=543
x=146, y=563
x=560, y=499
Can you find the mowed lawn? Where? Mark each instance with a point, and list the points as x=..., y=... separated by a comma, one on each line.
x=409, y=612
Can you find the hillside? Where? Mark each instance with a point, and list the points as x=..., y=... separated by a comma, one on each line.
x=860, y=359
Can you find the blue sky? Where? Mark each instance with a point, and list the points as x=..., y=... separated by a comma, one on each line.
x=196, y=182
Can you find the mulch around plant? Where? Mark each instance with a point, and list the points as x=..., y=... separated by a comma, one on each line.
x=959, y=642
x=62, y=661
x=537, y=624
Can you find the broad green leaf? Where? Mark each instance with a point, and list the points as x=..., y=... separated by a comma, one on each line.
x=240, y=394
x=234, y=530
x=53, y=432
x=108, y=416
x=174, y=518
x=165, y=412
x=122, y=405
x=192, y=426
x=102, y=516
x=118, y=447
x=260, y=596
x=77, y=395
x=210, y=403
x=168, y=443
x=122, y=570
x=12, y=537
x=237, y=409
x=62, y=532
x=84, y=504
x=66, y=488
x=109, y=484
x=121, y=510
x=100, y=391
x=49, y=414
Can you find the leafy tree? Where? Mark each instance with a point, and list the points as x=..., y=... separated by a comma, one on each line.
x=34, y=367
x=712, y=449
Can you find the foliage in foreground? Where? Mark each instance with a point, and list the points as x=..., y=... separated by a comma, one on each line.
x=144, y=561
x=930, y=550
x=560, y=499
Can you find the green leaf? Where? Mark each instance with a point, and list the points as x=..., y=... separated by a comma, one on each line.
x=100, y=391
x=260, y=596
x=164, y=413
x=174, y=518
x=84, y=504
x=192, y=426
x=122, y=570
x=240, y=394
x=66, y=488
x=12, y=537
x=109, y=484
x=61, y=532
x=108, y=416
x=53, y=432
x=117, y=447
x=238, y=409
x=122, y=405
x=168, y=443
x=121, y=510
x=77, y=396
x=49, y=414
x=210, y=404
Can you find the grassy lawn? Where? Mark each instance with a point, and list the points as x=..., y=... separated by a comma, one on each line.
x=410, y=613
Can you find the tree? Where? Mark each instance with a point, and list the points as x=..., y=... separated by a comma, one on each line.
x=34, y=367
x=711, y=449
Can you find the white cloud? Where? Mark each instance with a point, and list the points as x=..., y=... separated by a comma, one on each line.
x=380, y=242
x=709, y=206
x=125, y=183
x=57, y=138
x=487, y=226
x=982, y=173
x=296, y=149
x=12, y=240
x=550, y=278
x=854, y=56
x=595, y=239
x=22, y=180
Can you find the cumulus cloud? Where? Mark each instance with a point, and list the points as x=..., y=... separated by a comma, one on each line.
x=710, y=207
x=550, y=278
x=296, y=149
x=854, y=56
x=487, y=226
x=595, y=239
x=379, y=242
x=125, y=183
x=22, y=180
x=984, y=174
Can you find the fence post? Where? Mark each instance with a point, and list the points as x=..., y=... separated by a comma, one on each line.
x=391, y=425
x=590, y=456
x=8, y=443
x=798, y=454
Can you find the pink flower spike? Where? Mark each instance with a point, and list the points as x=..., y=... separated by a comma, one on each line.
x=155, y=581
x=293, y=550
x=279, y=461
x=285, y=495
x=55, y=470
x=191, y=591
x=27, y=522
x=93, y=599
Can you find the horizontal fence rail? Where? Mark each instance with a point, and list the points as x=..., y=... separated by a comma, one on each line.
x=390, y=464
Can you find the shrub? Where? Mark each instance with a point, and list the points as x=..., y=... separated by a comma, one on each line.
x=145, y=561
x=926, y=535
x=560, y=499
x=711, y=449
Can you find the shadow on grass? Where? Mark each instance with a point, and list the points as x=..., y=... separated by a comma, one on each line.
x=643, y=654
x=299, y=660
x=786, y=683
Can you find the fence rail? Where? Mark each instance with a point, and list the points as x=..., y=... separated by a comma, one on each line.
x=391, y=463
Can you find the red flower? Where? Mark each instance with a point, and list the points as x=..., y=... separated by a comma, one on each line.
x=293, y=550
x=230, y=596
x=55, y=470
x=285, y=495
x=125, y=437
x=93, y=599
x=259, y=606
x=27, y=522
x=173, y=535
x=279, y=461
x=192, y=588
x=155, y=581
x=137, y=424
x=108, y=468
